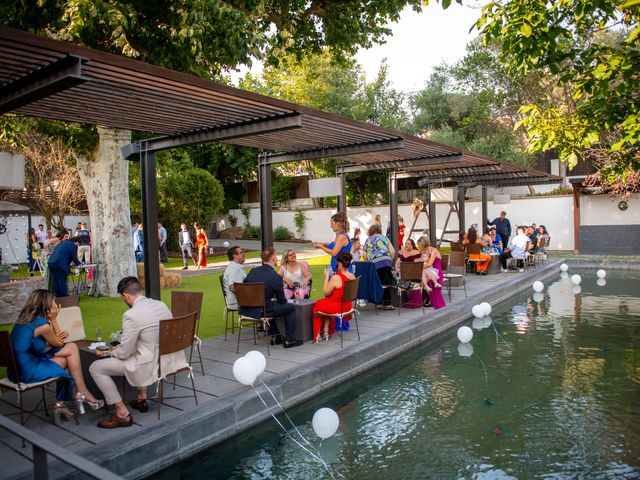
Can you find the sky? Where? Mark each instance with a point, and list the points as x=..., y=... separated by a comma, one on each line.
x=421, y=41
x=418, y=43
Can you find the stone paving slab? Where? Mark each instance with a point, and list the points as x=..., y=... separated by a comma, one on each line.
x=226, y=408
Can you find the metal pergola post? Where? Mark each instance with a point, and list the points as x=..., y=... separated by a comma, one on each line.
x=342, y=198
x=461, y=208
x=393, y=209
x=266, y=207
x=485, y=218
x=433, y=237
x=150, y=223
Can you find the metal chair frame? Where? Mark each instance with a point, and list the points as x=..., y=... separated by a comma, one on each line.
x=233, y=311
x=252, y=295
x=448, y=276
x=183, y=303
x=409, y=272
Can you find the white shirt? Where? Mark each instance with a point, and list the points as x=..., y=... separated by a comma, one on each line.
x=186, y=237
x=41, y=236
x=519, y=246
x=234, y=273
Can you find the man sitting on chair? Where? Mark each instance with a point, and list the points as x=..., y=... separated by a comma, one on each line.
x=137, y=355
x=273, y=287
x=234, y=273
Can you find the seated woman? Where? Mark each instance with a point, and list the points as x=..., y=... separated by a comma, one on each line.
x=496, y=240
x=543, y=240
x=333, y=290
x=41, y=353
x=409, y=253
x=432, y=275
x=481, y=259
x=380, y=251
x=294, y=273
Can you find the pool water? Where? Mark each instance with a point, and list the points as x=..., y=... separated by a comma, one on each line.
x=551, y=390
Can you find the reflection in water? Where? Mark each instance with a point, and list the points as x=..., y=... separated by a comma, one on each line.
x=558, y=400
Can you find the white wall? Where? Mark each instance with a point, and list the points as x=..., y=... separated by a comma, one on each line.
x=14, y=242
x=603, y=210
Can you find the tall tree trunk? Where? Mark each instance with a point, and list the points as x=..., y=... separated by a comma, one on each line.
x=105, y=178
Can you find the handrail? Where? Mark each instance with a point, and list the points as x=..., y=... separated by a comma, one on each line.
x=42, y=447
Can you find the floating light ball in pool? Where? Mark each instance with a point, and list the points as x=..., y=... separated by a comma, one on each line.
x=564, y=267
x=487, y=308
x=465, y=334
x=225, y=244
x=478, y=311
x=478, y=323
x=538, y=286
x=601, y=273
x=538, y=297
x=245, y=371
x=465, y=349
x=576, y=279
x=325, y=422
x=258, y=359
x=564, y=275
x=601, y=282
x=577, y=289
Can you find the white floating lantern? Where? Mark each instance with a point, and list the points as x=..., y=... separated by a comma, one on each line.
x=564, y=275
x=325, y=422
x=258, y=359
x=465, y=349
x=487, y=308
x=465, y=334
x=538, y=286
x=564, y=267
x=576, y=279
x=577, y=289
x=487, y=322
x=601, y=273
x=538, y=297
x=245, y=371
x=601, y=282
x=478, y=323
x=478, y=311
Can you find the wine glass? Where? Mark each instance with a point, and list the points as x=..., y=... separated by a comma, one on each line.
x=99, y=334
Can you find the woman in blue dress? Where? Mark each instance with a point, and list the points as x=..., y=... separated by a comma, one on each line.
x=342, y=244
x=40, y=353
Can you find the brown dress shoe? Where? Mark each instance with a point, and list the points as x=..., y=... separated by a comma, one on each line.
x=140, y=405
x=115, y=421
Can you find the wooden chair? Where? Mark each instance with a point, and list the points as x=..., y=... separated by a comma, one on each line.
x=69, y=301
x=410, y=272
x=454, y=270
x=175, y=336
x=183, y=303
x=473, y=249
x=8, y=360
x=457, y=247
x=349, y=295
x=228, y=310
x=251, y=295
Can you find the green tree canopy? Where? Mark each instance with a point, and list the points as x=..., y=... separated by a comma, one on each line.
x=592, y=47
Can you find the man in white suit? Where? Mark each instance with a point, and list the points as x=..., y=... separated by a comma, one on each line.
x=137, y=355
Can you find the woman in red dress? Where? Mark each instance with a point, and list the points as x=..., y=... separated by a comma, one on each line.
x=202, y=242
x=332, y=303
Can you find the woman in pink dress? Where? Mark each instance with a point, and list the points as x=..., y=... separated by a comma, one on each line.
x=432, y=275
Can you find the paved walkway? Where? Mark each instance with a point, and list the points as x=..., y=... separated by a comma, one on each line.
x=225, y=407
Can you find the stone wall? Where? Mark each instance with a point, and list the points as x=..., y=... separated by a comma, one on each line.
x=13, y=296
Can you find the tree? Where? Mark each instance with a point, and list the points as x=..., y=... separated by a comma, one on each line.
x=592, y=47
x=51, y=178
x=200, y=37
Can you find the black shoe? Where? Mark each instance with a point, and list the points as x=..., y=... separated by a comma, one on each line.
x=276, y=340
x=295, y=343
x=185, y=268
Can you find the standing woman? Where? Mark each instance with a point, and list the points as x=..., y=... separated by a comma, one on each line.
x=342, y=244
x=379, y=250
x=294, y=273
x=41, y=353
x=432, y=275
x=202, y=242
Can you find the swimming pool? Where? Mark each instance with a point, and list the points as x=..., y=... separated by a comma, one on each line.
x=551, y=390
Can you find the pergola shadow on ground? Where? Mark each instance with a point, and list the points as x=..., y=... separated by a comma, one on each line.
x=51, y=79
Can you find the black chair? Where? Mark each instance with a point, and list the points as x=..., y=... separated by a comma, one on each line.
x=349, y=295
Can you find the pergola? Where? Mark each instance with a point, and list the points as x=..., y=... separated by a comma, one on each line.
x=58, y=80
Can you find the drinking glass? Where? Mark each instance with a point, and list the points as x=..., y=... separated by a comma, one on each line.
x=99, y=334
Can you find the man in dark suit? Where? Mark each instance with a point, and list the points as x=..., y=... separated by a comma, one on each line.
x=273, y=287
x=186, y=240
x=59, y=270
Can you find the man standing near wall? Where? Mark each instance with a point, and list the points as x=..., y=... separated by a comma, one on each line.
x=162, y=239
x=503, y=227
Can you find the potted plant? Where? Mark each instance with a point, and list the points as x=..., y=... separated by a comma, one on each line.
x=5, y=272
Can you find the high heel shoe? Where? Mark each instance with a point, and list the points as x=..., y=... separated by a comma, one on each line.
x=61, y=411
x=81, y=399
x=326, y=335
